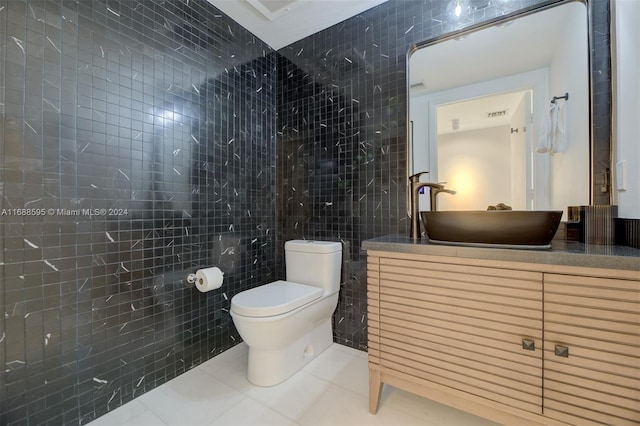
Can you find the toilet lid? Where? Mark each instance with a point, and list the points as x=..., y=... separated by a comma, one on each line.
x=273, y=299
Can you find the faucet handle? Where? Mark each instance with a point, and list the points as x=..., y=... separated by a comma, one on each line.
x=416, y=177
x=436, y=186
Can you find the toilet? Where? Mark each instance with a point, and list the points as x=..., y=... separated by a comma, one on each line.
x=286, y=324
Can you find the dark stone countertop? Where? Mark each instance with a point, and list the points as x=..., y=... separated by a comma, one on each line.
x=566, y=253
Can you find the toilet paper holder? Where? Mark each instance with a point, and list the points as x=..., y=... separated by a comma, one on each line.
x=205, y=279
x=191, y=278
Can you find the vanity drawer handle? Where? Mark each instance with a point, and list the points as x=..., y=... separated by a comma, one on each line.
x=528, y=345
x=562, y=351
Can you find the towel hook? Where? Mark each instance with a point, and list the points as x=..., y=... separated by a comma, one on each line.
x=565, y=97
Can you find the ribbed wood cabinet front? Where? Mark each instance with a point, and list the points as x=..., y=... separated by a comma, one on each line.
x=592, y=350
x=470, y=328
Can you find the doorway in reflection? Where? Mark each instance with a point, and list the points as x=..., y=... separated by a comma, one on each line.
x=483, y=149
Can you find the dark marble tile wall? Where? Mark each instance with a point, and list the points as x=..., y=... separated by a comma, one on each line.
x=138, y=144
x=342, y=125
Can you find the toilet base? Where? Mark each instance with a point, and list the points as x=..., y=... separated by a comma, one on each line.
x=268, y=367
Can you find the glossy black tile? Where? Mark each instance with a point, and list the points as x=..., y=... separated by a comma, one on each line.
x=120, y=180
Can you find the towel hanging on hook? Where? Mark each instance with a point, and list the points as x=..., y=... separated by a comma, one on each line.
x=553, y=133
x=559, y=132
x=546, y=132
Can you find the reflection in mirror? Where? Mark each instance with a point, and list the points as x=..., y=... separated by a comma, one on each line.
x=487, y=162
x=484, y=119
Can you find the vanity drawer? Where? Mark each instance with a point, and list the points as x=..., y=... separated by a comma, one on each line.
x=463, y=327
x=592, y=350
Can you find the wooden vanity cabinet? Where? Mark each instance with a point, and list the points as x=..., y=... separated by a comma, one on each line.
x=474, y=334
x=459, y=329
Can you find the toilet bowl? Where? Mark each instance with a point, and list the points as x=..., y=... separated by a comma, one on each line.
x=287, y=323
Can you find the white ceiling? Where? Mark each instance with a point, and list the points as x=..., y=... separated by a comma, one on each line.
x=282, y=22
x=525, y=44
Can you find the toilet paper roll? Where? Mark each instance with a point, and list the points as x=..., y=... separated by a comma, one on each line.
x=209, y=279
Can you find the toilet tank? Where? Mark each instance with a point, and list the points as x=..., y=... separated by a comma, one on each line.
x=316, y=263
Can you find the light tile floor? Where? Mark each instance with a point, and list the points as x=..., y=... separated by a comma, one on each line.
x=331, y=390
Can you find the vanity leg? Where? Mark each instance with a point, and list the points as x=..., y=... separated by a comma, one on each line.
x=375, y=389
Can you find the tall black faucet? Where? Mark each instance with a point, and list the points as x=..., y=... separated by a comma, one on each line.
x=414, y=200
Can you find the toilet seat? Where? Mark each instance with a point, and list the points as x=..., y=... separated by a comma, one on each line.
x=273, y=299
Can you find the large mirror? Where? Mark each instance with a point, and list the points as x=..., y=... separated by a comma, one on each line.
x=501, y=112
